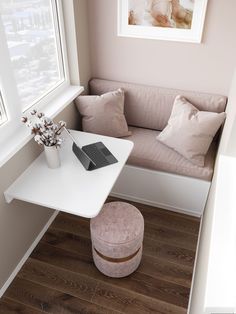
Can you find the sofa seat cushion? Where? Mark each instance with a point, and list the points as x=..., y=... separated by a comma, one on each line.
x=152, y=154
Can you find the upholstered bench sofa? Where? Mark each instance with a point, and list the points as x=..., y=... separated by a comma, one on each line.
x=156, y=174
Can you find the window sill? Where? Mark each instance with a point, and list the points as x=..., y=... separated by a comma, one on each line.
x=22, y=135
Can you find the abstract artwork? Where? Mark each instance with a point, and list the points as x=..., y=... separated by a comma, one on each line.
x=180, y=20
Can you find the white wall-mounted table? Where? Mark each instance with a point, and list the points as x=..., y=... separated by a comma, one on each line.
x=71, y=188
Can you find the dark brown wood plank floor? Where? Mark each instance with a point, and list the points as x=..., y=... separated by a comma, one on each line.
x=60, y=277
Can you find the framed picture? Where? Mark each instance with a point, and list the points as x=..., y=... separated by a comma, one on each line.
x=177, y=20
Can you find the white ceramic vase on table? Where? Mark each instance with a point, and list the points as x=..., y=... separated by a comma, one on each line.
x=52, y=156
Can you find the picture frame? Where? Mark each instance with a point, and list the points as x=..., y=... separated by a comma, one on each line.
x=139, y=23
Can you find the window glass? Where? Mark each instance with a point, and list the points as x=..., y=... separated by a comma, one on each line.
x=33, y=40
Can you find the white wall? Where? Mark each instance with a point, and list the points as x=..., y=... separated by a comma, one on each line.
x=214, y=284
x=205, y=67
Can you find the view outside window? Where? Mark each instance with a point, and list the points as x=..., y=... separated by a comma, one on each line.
x=34, y=47
x=3, y=116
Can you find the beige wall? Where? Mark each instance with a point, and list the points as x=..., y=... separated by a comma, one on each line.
x=204, y=67
x=76, y=28
x=20, y=223
x=81, y=14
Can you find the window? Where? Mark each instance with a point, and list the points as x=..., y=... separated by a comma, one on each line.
x=31, y=29
x=33, y=63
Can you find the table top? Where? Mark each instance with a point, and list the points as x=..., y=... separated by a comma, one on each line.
x=70, y=188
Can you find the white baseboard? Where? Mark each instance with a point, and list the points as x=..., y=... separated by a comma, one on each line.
x=27, y=254
x=161, y=189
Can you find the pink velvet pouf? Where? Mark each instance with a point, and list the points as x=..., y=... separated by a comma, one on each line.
x=117, y=237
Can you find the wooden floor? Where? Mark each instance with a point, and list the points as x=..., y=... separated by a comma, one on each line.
x=60, y=277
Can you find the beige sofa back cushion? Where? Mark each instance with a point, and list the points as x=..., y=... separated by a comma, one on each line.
x=150, y=107
x=190, y=131
x=103, y=114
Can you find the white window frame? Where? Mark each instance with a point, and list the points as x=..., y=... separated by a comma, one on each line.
x=13, y=134
x=2, y=110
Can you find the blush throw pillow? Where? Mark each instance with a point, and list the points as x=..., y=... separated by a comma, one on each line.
x=104, y=114
x=190, y=131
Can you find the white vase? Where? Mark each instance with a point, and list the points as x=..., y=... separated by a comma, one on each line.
x=52, y=156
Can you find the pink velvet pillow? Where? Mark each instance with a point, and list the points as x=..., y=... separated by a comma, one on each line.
x=190, y=131
x=104, y=114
